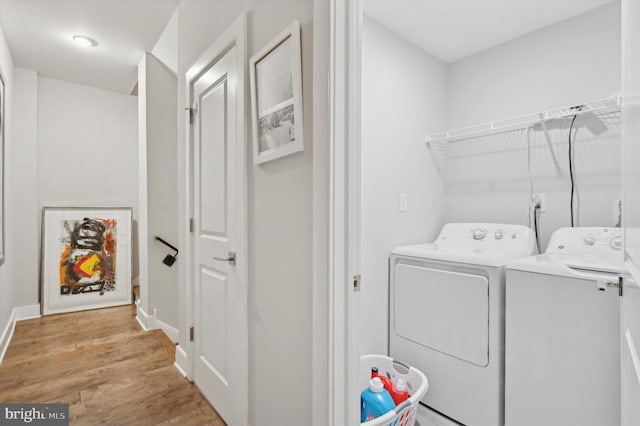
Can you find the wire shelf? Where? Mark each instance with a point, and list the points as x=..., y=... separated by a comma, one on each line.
x=602, y=106
x=437, y=142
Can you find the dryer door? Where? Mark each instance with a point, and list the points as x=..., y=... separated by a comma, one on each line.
x=443, y=310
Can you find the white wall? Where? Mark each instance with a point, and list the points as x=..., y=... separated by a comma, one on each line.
x=157, y=87
x=568, y=63
x=158, y=173
x=25, y=162
x=403, y=93
x=574, y=61
x=166, y=48
x=87, y=148
x=7, y=294
x=280, y=221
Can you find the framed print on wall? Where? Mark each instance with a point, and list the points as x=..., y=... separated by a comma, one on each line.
x=2, y=197
x=85, y=258
x=276, y=97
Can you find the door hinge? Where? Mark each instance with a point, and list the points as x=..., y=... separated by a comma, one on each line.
x=191, y=333
x=191, y=226
x=192, y=112
x=620, y=282
x=356, y=282
x=603, y=285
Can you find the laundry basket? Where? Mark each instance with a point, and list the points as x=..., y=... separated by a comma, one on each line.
x=405, y=413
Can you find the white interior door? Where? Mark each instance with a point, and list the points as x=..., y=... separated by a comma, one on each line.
x=631, y=212
x=219, y=294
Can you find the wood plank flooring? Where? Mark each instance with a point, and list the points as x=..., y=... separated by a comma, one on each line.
x=105, y=367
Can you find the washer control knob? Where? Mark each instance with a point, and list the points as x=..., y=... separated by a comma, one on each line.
x=589, y=239
x=498, y=235
x=479, y=234
x=616, y=243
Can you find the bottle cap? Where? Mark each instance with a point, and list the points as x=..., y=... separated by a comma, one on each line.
x=375, y=385
x=374, y=370
x=400, y=385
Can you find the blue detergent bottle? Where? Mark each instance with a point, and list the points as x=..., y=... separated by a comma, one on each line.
x=375, y=401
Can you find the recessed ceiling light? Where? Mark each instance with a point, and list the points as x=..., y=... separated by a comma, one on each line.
x=84, y=41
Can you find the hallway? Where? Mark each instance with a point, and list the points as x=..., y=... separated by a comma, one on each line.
x=105, y=367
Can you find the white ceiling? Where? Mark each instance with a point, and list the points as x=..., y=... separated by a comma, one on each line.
x=454, y=29
x=39, y=36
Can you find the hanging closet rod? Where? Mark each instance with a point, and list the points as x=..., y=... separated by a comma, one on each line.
x=600, y=107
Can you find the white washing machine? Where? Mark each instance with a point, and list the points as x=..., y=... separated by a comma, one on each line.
x=447, y=315
x=563, y=331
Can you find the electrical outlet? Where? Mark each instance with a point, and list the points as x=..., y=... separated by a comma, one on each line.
x=403, y=203
x=539, y=200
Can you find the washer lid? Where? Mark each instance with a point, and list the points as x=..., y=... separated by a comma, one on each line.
x=484, y=244
x=572, y=251
x=567, y=265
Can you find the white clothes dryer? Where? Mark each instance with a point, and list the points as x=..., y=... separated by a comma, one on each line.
x=447, y=315
x=563, y=331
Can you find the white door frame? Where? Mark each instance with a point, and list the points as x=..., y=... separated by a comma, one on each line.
x=630, y=314
x=344, y=211
x=235, y=35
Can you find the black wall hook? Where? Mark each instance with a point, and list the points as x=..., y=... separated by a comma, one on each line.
x=168, y=259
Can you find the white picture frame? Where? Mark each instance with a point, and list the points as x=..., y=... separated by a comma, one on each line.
x=276, y=97
x=3, y=119
x=85, y=260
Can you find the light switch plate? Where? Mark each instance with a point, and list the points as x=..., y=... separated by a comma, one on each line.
x=403, y=203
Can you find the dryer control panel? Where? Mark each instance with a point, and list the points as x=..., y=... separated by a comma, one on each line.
x=487, y=238
x=502, y=234
x=488, y=244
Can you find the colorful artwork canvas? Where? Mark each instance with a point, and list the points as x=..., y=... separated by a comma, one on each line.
x=87, y=262
x=86, y=258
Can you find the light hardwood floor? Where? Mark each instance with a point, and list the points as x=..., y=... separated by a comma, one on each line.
x=105, y=367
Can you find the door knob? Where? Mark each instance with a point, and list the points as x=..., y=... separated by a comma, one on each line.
x=231, y=258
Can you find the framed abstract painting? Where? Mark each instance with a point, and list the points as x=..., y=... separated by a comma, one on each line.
x=85, y=258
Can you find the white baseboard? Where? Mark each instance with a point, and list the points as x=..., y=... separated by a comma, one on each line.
x=146, y=321
x=7, y=334
x=27, y=312
x=182, y=362
x=172, y=333
x=151, y=322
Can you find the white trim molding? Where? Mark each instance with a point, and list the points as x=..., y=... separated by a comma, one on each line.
x=150, y=322
x=147, y=322
x=143, y=214
x=344, y=210
x=7, y=334
x=171, y=332
x=27, y=312
x=320, y=122
x=182, y=362
x=18, y=313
